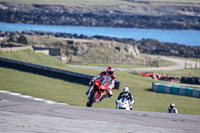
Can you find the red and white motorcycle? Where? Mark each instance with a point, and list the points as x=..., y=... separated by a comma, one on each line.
x=99, y=87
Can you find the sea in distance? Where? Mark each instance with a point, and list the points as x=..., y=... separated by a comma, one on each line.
x=185, y=37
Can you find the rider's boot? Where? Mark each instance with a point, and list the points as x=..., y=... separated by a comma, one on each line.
x=87, y=92
x=104, y=96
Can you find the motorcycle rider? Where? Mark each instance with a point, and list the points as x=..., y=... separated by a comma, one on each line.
x=172, y=109
x=126, y=94
x=109, y=76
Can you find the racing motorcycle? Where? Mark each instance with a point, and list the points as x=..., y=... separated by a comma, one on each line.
x=123, y=103
x=99, y=87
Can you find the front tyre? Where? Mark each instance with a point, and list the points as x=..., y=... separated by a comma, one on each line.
x=92, y=99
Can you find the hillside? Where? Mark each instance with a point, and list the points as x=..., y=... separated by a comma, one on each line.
x=80, y=50
x=147, y=46
x=163, y=14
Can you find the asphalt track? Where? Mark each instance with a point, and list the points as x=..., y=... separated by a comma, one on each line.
x=22, y=115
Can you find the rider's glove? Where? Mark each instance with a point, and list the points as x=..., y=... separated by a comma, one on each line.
x=90, y=83
x=117, y=102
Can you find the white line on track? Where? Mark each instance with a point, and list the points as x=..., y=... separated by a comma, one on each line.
x=30, y=97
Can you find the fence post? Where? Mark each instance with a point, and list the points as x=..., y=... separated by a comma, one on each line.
x=158, y=63
x=196, y=65
x=185, y=64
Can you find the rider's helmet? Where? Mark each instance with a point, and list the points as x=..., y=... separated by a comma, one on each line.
x=172, y=105
x=126, y=90
x=110, y=70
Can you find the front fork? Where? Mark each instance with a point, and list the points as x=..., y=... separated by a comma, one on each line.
x=101, y=94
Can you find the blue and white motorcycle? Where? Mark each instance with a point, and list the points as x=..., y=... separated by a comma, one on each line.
x=124, y=103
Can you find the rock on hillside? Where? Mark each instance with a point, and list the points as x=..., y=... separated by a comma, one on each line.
x=145, y=15
x=151, y=46
x=100, y=51
x=144, y=46
x=81, y=50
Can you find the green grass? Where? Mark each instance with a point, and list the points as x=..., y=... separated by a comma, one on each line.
x=38, y=58
x=186, y=59
x=178, y=73
x=149, y=58
x=32, y=57
x=42, y=87
x=182, y=73
x=74, y=94
x=115, y=65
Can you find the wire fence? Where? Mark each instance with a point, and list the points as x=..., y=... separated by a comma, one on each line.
x=113, y=60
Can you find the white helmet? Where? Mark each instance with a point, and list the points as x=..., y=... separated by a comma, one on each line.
x=126, y=90
x=172, y=105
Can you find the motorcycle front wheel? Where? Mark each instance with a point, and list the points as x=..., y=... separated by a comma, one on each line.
x=92, y=99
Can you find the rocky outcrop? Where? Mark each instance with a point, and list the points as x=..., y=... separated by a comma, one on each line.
x=87, y=50
x=18, y=39
x=101, y=51
x=148, y=46
x=171, y=49
x=144, y=16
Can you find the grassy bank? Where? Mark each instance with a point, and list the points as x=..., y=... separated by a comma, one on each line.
x=41, y=86
x=182, y=73
x=32, y=57
x=74, y=94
